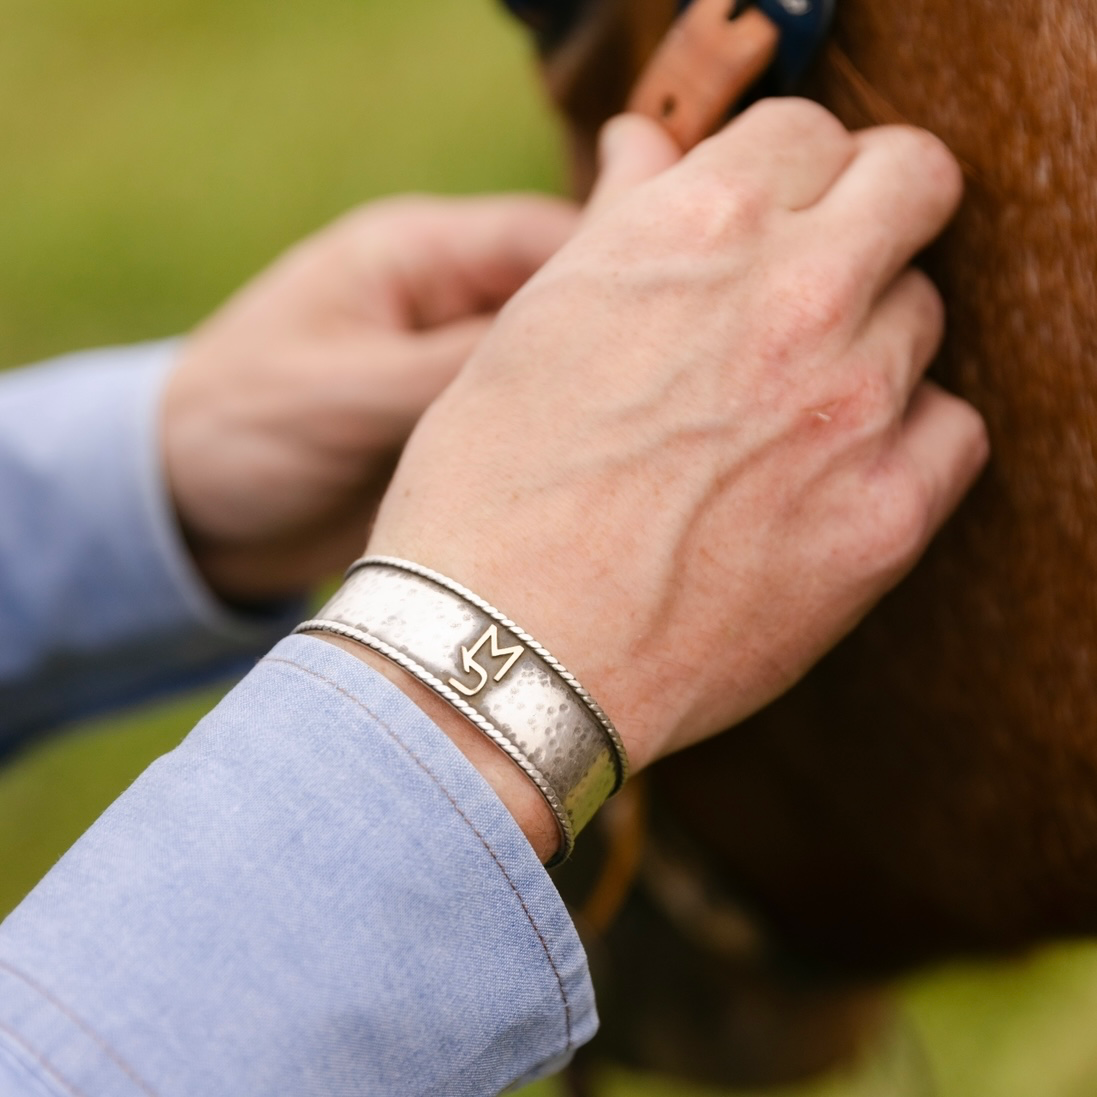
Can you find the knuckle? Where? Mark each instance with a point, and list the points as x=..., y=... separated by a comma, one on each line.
x=804, y=315
x=917, y=318
x=388, y=227
x=899, y=516
x=977, y=435
x=872, y=401
x=928, y=304
x=356, y=227
x=402, y=205
x=862, y=402
x=401, y=213
x=926, y=152
x=818, y=301
x=938, y=161
x=793, y=116
x=827, y=302
x=971, y=434
x=712, y=208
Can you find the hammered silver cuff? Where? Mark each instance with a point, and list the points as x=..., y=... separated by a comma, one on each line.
x=493, y=673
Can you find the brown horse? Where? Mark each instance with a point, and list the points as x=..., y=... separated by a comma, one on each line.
x=931, y=789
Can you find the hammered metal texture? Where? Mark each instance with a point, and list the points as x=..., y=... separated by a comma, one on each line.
x=532, y=707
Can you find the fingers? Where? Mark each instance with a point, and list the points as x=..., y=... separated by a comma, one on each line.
x=792, y=150
x=942, y=439
x=448, y=258
x=633, y=149
x=421, y=366
x=441, y=352
x=945, y=440
x=875, y=198
x=904, y=332
x=896, y=195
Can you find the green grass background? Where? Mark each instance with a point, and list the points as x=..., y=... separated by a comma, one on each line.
x=153, y=155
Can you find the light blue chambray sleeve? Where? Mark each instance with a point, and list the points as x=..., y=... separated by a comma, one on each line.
x=315, y=894
x=99, y=603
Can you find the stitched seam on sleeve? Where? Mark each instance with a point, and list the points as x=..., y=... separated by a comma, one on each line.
x=81, y=1024
x=457, y=808
x=48, y=1067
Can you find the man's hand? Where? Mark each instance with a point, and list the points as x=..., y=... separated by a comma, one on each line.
x=289, y=408
x=698, y=446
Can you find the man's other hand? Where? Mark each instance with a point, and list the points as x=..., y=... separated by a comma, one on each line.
x=289, y=407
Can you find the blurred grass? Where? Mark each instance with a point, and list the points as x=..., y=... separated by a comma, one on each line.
x=155, y=153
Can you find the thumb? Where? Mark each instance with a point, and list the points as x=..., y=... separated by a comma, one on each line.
x=632, y=150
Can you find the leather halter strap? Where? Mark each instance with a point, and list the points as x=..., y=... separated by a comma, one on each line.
x=716, y=51
x=704, y=65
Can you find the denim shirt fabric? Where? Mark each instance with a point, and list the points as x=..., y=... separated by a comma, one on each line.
x=315, y=893
x=99, y=602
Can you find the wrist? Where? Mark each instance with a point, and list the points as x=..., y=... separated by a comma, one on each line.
x=517, y=793
x=569, y=620
x=484, y=667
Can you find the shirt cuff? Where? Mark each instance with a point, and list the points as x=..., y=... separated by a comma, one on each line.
x=99, y=600
x=316, y=893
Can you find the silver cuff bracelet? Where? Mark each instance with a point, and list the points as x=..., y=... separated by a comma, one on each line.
x=493, y=673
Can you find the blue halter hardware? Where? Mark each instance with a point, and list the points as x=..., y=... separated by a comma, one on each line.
x=803, y=25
